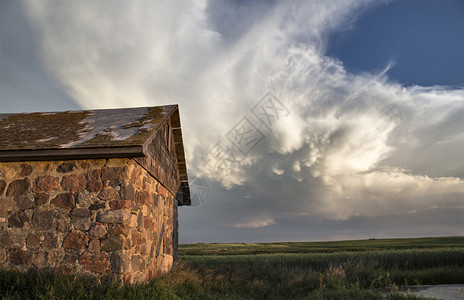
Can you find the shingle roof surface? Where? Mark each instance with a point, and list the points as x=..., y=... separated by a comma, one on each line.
x=81, y=129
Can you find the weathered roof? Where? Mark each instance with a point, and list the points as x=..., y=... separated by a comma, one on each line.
x=81, y=129
x=87, y=134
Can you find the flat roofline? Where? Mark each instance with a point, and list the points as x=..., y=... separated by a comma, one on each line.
x=70, y=153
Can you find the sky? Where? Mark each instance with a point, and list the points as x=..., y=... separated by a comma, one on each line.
x=302, y=120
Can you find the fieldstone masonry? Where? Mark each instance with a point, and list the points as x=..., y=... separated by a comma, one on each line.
x=96, y=216
x=99, y=196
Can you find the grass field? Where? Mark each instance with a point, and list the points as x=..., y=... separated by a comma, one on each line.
x=373, y=269
x=318, y=247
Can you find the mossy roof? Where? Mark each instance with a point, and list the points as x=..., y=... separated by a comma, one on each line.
x=81, y=129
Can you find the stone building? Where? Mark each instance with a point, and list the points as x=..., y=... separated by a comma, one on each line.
x=92, y=192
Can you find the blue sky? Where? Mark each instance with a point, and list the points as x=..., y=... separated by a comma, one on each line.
x=423, y=39
x=370, y=136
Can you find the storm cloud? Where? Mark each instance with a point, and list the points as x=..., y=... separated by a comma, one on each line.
x=329, y=151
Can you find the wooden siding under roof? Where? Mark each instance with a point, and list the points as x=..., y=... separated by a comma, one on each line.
x=109, y=133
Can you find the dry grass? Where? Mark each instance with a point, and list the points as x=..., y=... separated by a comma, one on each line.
x=340, y=275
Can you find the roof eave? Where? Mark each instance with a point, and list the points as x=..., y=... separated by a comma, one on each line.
x=74, y=153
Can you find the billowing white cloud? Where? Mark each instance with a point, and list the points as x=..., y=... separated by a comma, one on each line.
x=349, y=145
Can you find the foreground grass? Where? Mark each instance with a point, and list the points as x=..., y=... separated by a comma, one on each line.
x=339, y=275
x=182, y=283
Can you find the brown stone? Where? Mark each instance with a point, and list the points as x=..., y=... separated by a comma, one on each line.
x=6, y=238
x=113, y=243
x=26, y=170
x=128, y=191
x=50, y=258
x=74, y=183
x=98, y=230
x=41, y=199
x=2, y=186
x=127, y=278
x=50, y=241
x=3, y=208
x=23, y=202
x=140, y=220
x=145, y=183
x=75, y=240
x=118, y=204
x=65, y=200
x=114, y=216
x=135, y=177
x=66, y=168
x=120, y=262
x=148, y=223
x=162, y=191
x=134, y=207
x=2, y=255
x=157, y=199
x=115, y=174
x=86, y=198
x=19, y=257
x=18, y=219
x=83, y=224
x=93, y=262
x=94, y=181
x=133, y=221
x=43, y=220
x=143, y=250
x=167, y=246
x=136, y=263
x=78, y=212
x=18, y=187
x=137, y=197
x=94, y=246
x=45, y=184
x=145, y=198
x=32, y=241
x=97, y=206
x=136, y=238
x=149, y=210
x=38, y=258
x=108, y=194
x=115, y=229
x=84, y=165
x=139, y=277
x=70, y=258
x=63, y=225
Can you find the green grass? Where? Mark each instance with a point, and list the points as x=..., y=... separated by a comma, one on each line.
x=321, y=247
x=296, y=275
x=365, y=273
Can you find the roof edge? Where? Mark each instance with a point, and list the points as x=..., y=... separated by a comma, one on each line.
x=183, y=193
x=78, y=153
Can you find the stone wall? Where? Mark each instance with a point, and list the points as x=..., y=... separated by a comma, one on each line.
x=102, y=217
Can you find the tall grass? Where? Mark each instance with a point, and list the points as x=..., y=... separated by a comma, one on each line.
x=387, y=260
x=341, y=275
x=294, y=275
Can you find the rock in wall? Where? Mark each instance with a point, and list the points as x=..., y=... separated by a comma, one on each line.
x=101, y=217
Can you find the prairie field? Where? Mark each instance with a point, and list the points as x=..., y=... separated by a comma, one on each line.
x=368, y=269
x=320, y=247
